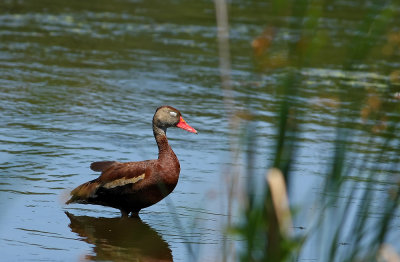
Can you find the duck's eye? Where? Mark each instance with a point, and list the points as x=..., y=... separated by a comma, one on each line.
x=173, y=113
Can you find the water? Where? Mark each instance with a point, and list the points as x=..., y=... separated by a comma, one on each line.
x=80, y=81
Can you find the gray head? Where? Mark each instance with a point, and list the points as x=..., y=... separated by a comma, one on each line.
x=167, y=116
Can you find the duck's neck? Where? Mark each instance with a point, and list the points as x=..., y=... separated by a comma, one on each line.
x=164, y=149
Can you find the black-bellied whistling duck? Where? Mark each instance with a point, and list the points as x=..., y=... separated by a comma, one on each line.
x=132, y=186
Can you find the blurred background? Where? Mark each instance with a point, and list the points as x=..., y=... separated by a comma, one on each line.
x=311, y=88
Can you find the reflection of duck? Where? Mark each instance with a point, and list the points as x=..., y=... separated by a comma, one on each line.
x=117, y=239
x=135, y=185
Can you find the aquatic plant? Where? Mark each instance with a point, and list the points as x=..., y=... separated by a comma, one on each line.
x=352, y=217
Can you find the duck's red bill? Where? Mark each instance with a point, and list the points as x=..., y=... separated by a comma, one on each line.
x=182, y=124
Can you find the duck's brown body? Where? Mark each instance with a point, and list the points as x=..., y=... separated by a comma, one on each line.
x=132, y=186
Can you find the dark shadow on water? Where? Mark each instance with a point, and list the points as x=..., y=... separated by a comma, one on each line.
x=120, y=239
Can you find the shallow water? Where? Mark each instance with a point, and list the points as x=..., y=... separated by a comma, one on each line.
x=80, y=81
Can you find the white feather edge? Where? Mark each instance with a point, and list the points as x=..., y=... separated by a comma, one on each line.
x=123, y=181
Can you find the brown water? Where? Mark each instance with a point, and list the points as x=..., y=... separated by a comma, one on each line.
x=80, y=81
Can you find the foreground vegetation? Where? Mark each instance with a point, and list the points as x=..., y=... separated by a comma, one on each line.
x=352, y=218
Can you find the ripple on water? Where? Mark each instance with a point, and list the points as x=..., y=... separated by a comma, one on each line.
x=80, y=83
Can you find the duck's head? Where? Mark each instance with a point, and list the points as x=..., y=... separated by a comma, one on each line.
x=167, y=116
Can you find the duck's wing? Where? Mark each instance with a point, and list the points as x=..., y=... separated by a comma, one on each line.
x=123, y=171
x=101, y=166
x=115, y=174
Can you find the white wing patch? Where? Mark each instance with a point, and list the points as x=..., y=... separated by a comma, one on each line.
x=123, y=181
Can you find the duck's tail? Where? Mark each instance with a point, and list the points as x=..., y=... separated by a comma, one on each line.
x=82, y=193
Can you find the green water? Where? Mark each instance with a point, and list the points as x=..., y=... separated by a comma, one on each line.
x=80, y=81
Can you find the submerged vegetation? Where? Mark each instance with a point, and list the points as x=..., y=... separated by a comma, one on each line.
x=353, y=218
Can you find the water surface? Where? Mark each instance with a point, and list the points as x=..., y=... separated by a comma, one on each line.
x=80, y=81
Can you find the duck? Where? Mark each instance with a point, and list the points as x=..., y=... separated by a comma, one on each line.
x=132, y=186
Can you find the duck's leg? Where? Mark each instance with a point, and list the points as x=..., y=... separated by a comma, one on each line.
x=124, y=213
x=135, y=214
